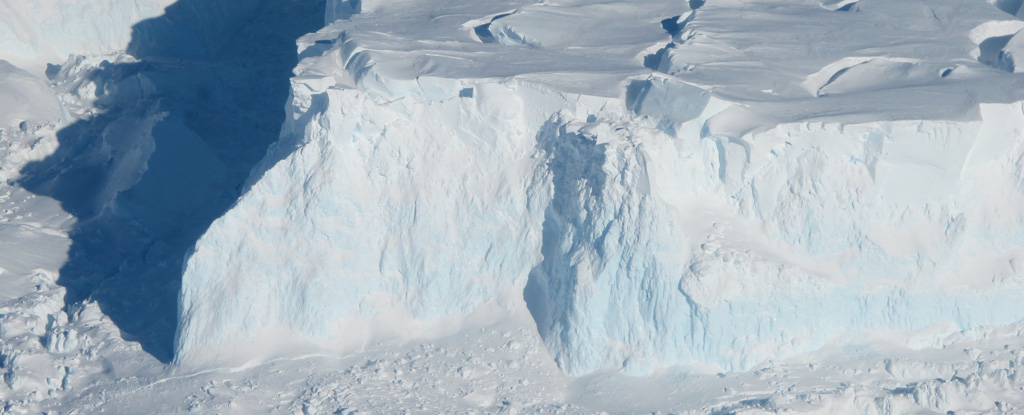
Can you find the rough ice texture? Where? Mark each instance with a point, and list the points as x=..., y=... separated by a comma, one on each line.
x=658, y=199
x=353, y=215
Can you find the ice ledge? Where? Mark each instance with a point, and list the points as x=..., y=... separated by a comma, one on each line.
x=652, y=220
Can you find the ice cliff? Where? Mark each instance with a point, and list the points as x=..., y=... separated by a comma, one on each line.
x=660, y=186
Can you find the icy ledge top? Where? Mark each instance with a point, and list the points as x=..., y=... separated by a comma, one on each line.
x=784, y=60
x=654, y=182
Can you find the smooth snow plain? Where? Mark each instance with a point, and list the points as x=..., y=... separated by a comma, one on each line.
x=567, y=206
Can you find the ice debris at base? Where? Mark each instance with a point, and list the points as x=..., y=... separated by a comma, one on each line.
x=706, y=187
x=762, y=89
x=49, y=350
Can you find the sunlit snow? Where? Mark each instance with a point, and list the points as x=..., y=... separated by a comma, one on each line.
x=512, y=206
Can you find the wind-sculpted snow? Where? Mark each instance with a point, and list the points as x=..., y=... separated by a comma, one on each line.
x=667, y=189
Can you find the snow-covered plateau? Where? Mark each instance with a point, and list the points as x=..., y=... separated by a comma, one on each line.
x=514, y=206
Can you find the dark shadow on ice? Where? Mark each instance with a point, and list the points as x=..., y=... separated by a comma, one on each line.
x=1010, y=6
x=991, y=49
x=576, y=165
x=178, y=134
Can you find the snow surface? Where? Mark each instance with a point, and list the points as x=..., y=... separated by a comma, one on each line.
x=34, y=33
x=512, y=207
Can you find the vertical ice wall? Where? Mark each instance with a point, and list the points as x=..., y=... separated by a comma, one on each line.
x=657, y=227
x=642, y=242
x=384, y=215
x=732, y=250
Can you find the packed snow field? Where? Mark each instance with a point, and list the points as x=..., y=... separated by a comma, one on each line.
x=511, y=206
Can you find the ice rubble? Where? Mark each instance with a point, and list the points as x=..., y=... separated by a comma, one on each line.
x=663, y=189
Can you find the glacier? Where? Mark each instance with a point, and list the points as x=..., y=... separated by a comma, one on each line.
x=698, y=192
x=655, y=191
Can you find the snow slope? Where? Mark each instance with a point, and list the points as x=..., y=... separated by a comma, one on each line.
x=712, y=187
x=35, y=33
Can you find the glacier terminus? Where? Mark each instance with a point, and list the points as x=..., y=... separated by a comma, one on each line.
x=512, y=206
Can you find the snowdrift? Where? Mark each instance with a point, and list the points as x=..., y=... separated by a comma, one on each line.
x=654, y=190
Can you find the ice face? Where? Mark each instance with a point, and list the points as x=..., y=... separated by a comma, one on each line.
x=802, y=234
x=693, y=211
x=363, y=235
